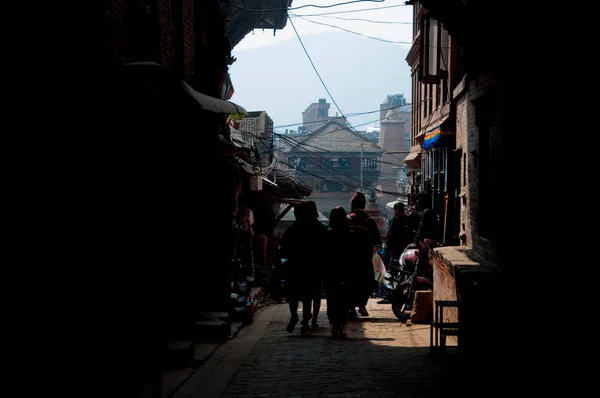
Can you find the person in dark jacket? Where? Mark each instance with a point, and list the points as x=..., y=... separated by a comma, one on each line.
x=398, y=234
x=302, y=245
x=364, y=224
x=426, y=236
x=341, y=275
x=427, y=231
x=397, y=237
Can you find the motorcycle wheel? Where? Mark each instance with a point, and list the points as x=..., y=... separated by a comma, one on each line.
x=399, y=304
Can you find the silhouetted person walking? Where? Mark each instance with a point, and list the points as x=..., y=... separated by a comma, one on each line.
x=341, y=275
x=364, y=225
x=302, y=246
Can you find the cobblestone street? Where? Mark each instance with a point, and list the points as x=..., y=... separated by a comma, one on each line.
x=382, y=358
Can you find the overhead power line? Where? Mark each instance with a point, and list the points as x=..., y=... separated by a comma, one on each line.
x=350, y=11
x=356, y=33
x=364, y=20
x=305, y=6
x=347, y=115
x=323, y=83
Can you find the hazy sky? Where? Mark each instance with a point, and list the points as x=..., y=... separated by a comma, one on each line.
x=274, y=72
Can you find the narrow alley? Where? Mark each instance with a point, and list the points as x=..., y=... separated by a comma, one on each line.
x=383, y=357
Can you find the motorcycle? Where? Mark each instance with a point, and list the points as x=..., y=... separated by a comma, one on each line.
x=409, y=273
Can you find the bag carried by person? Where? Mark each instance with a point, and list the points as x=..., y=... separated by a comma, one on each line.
x=378, y=267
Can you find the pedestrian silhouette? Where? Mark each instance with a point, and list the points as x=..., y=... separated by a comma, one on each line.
x=302, y=246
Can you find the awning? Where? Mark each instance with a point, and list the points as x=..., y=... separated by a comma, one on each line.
x=213, y=104
x=436, y=136
x=442, y=132
x=154, y=71
x=413, y=160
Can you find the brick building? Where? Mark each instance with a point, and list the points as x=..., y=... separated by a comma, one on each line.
x=334, y=161
x=459, y=154
x=434, y=63
x=257, y=128
x=394, y=138
x=150, y=175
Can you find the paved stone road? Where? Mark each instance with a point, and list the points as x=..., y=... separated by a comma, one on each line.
x=382, y=358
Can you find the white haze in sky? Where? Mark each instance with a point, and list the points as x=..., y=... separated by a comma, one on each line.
x=273, y=73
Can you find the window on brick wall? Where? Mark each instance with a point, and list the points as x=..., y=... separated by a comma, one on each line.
x=417, y=106
x=430, y=89
x=433, y=39
x=444, y=51
x=464, y=170
x=416, y=11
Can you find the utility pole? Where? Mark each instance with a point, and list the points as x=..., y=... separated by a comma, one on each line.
x=361, y=167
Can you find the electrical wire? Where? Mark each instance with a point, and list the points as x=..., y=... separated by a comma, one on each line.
x=357, y=33
x=362, y=124
x=408, y=104
x=320, y=166
x=322, y=82
x=360, y=20
x=349, y=115
x=350, y=11
x=305, y=6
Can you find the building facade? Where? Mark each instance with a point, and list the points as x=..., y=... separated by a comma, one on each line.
x=257, y=129
x=159, y=151
x=316, y=115
x=432, y=162
x=394, y=138
x=459, y=153
x=334, y=159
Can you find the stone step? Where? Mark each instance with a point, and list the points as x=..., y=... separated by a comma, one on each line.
x=219, y=315
x=179, y=353
x=209, y=331
x=212, y=316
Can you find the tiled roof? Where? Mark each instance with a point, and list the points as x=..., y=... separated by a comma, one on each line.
x=334, y=137
x=287, y=186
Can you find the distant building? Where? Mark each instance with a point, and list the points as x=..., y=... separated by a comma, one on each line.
x=334, y=158
x=257, y=128
x=372, y=135
x=394, y=138
x=316, y=115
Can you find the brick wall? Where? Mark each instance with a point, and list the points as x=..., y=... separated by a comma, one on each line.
x=116, y=31
x=482, y=241
x=462, y=142
x=165, y=31
x=189, y=41
x=444, y=259
x=169, y=22
x=471, y=158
